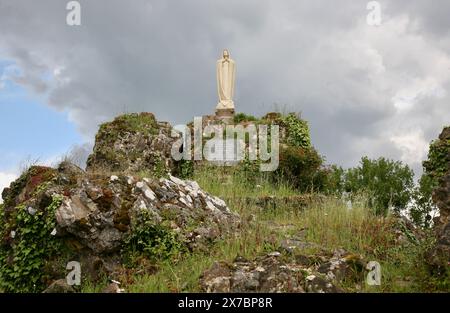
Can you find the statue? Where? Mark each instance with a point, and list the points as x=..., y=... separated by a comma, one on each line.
x=226, y=69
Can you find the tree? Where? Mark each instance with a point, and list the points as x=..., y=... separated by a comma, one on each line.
x=329, y=179
x=422, y=206
x=388, y=183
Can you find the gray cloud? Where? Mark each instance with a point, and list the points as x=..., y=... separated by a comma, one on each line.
x=365, y=90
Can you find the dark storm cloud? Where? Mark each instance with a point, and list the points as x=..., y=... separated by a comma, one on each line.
x=365, y=90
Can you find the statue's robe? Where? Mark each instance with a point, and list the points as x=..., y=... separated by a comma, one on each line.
x=226, y=70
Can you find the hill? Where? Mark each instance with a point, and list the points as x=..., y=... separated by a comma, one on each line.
x=128, y=218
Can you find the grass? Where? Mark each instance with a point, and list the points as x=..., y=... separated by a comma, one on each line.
x=230, y=183
x=329, y=223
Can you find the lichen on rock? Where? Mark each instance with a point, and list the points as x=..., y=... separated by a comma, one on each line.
x=134, y=143
x=283, y=272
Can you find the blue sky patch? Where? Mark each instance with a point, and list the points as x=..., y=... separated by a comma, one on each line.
x=30, y=129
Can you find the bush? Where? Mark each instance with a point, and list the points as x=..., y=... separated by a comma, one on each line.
x=297, y=131
x=388, y=183
x=422, y=206
x=300, y=167
x=154, y=241
x=184, y=169
x=330, y=179
x=242, y=117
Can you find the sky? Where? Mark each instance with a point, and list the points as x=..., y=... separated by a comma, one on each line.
x=365, y=90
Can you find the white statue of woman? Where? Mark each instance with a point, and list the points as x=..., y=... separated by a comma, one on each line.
x=226, y=70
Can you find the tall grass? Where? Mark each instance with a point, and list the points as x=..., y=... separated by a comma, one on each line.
x=229, y=183
x=333, y=224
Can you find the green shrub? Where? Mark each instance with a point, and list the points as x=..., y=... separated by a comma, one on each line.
x=186, y=169
x=388, y=183
x=249, y=171
x=242, y=117
x=21, y=262
x=330, y=180
x=422, y=205
x=299, y=167
x=297, y=131
x=155, y=241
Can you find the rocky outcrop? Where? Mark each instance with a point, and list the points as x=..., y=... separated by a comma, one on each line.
x=438, y=166
x=280, y=272
x=134, y=143
x=127, y=199
x=92, y=216
x=439, y=256
x=100, y=214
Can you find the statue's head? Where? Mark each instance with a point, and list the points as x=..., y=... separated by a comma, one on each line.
x=226, y=54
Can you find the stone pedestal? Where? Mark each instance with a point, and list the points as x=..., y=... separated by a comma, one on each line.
x=225, y=115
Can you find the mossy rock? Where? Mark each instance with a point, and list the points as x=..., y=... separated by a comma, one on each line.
x=133, y=143
x=31, y=181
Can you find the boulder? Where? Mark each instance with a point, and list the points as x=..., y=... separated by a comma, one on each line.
x=264, y=274
x=113, y=287
x=134, y=143
x=59, y=286
x=101, y=215
x=281, y=272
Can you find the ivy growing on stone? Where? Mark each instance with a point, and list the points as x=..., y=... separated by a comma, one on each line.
x=31, y=244
x=438, y=159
